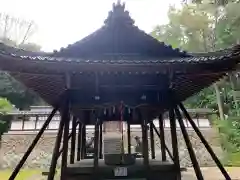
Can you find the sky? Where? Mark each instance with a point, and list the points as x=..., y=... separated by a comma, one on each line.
x=63, y=22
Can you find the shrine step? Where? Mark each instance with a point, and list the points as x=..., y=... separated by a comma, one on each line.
x=112, y=143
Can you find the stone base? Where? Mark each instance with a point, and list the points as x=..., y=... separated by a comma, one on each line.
x=84, y=170
x=13, y=148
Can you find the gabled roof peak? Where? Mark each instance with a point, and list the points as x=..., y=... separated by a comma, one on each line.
x=119, y=15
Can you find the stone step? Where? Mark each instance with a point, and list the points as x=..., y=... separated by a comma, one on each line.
x=112, y=143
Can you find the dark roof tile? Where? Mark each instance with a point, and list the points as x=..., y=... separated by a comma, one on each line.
x=126, y=60
x=119, y=36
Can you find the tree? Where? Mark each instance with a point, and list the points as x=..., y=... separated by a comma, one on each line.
x=188, y=29
x=201, y=26
x=5, y=106
x=14, y=29
x=16, y=93
x=16, y=33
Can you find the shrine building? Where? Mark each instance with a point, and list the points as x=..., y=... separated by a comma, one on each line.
x=118, y=75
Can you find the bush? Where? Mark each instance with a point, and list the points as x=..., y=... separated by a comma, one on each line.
x=229, y=130
x=5, y=106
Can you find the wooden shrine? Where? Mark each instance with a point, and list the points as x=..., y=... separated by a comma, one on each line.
x=118, y=73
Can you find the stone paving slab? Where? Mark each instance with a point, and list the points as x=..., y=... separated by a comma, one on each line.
x=212, y=173
x=209, y=173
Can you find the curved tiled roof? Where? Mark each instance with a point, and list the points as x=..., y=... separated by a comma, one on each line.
x=117, y=49
x=119, y=36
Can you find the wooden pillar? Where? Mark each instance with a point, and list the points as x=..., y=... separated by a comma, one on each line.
x=219, y=101
x=83, y=149
x=56, y=151
x=35, y=125
x=174, y=138
x=31, y=147
x=129, y=137
x=69, y=137
x=79, y=141
x=73, y=140
x=66, y=117
x=189, y=146
x=96, y=144
x=143, y=117
x=101, y=141
x=23, y=122
x=152, y=141
x=168, y=151
x=204, y=141
x=162, y=137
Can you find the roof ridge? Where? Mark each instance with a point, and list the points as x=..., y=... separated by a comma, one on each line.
x=16, y=50
x=220, y=52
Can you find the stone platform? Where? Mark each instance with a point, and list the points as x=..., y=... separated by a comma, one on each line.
x=85, y=170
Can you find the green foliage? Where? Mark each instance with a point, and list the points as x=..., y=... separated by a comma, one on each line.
x=229, y=131
x=5, y=106
x=5, y=122
x=199, y=27
x=204, y=99
x=209, y=25
x=15, y=92
x=188, y=29
x=227, y=29
x=15, y=32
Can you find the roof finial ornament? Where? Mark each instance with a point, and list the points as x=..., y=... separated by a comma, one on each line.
x=119, y=2
x=119, y=14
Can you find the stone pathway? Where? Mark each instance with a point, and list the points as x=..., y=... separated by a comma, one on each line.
x=36, y=177
x=209, y=173
x=212, y=173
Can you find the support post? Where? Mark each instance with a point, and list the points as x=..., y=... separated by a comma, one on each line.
x=162, y=137
x=55, y=155
x=152, y=141
x=66, y=117
x=60, y=152
x=83, y=149
x=35, y=125
x=96, y=144
x=129, y=137
x=204, y=141
x=79, y=141
x=168, y=151
x=86, y=116
x=144, y=139
x=174, y=138
x=100, y=141
x=31, y=147
x=73, y=140
x=189, y=146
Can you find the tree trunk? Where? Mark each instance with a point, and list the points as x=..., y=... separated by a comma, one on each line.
x=234, y=86
x=219, y=101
